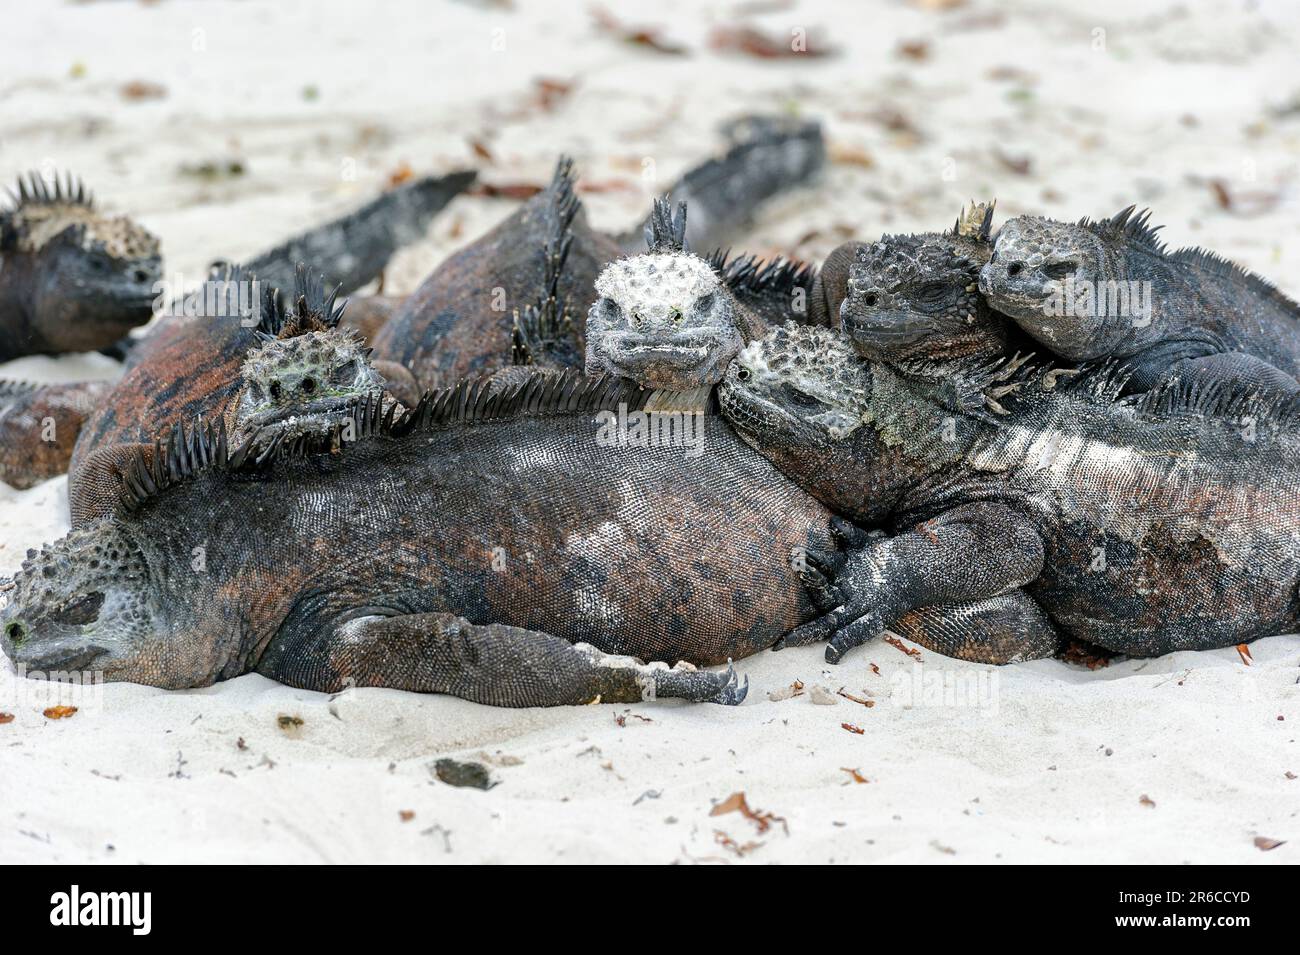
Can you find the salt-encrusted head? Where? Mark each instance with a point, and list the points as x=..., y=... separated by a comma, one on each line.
x=663, y=318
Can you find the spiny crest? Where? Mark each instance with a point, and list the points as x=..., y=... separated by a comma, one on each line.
x=186, y=453
x=975, y=221
x=312, y=309
x=1229, y=401
x=900, y=259
x=44, y=209
x=37, y=190
x=547, y=327
x=747, y=274
x=666, y=230
x=563, y=198
x=1127, y=225
x=11, y=389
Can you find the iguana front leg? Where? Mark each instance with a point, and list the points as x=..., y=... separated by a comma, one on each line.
x=487, y=663
x=1008, y=628
x=972, y=552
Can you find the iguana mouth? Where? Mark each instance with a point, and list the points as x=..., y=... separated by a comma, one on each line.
x=305, y=413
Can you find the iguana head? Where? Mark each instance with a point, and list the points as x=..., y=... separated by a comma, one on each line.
x=916, y=297
x=306, y=371
x=1034, y=261
x=800, y=397
x=91, y=602
x=802, y=384
x=87, y=278
x=663, y=318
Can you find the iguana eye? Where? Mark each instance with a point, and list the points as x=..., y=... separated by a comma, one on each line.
x=705, y=303
x=275, y=391
x=81, y=611
x=743, y=374
x=870, y=300
x=934, y=293
x=346, y=372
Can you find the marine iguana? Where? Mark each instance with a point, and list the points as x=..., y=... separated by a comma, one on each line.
x=670, y=319
x=71, y=278
x=1167, y=522
x=263, y=366
x=1110, y=288
x=460, y=321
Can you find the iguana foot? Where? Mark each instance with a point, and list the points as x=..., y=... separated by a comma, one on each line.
x=699, y=686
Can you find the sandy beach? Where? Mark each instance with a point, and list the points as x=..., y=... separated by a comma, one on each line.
x=225, y=126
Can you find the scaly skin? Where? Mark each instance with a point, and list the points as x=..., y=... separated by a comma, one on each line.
x=71, y=278
x=1172, y=523
x=1209, y=320
x=187, y=366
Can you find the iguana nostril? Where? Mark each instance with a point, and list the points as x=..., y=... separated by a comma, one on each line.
x=308, y=385
x=141, y=276
x=1014, y=269
x=15, y=632
x=870, y=301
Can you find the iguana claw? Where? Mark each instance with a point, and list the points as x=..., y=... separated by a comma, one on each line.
x=733, y=692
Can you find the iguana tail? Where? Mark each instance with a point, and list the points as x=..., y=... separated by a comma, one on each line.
x=39, y=425
x=354, y=249
x=768, y=156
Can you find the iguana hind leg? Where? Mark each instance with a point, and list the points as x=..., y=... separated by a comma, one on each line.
x=487, y=663
x=1008, y=628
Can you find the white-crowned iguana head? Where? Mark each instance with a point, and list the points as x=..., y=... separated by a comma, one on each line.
x=87, y=603
x=916, y=297
x=80, y=279
x=306, y=371
x=1035, y=259
x=663, y=318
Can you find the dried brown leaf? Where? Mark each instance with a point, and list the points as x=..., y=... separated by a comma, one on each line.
x=762, y=820
x=856, y=776
x=59, y=712
x=751, y=41
x=1265, y=844
x=137, y=90
x=853, y=729
x=898, y=644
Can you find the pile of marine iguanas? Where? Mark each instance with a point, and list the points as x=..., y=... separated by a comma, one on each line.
x=561, y=457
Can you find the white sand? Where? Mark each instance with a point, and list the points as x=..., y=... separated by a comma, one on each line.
x=1052, y=764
